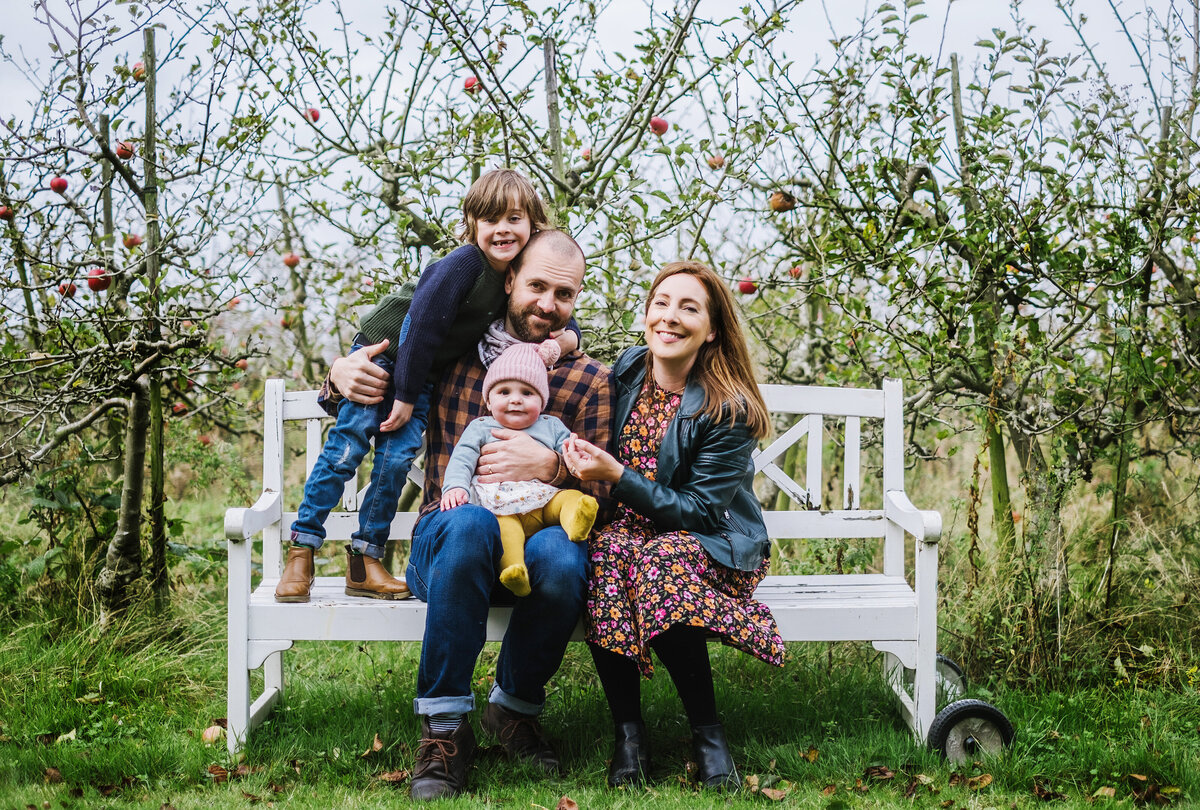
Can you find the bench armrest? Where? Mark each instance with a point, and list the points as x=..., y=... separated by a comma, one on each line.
x=925, y=525
x=241, y=523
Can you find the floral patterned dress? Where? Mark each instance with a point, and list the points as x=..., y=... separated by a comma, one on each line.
x=642, y=582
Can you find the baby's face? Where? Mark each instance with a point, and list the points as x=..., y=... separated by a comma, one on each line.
x=514, y=404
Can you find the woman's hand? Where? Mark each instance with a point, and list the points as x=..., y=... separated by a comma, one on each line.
x=587, y=462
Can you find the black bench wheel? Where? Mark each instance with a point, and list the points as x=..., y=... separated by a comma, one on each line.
x=969, y=729
x=951, y=680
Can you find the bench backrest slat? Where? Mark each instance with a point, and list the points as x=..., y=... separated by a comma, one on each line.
x=818, y=408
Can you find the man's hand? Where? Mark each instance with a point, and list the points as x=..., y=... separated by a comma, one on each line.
x=515, y=456
x=357, y=378
x=398, y=418
x=454, y=497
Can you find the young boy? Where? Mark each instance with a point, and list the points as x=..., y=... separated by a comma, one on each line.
x=427, y=325
x=515, y=391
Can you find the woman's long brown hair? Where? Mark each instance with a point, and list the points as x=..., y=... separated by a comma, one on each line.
x=723, y=367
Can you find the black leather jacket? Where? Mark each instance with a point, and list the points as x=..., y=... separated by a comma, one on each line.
x=704, y=477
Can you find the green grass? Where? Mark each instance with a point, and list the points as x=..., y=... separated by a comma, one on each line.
x=120, y=717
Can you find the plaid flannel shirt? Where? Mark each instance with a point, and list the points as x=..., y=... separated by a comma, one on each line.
x=581, y=395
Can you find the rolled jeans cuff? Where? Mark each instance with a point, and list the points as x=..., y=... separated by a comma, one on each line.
x=444, y=705
x=513, y=704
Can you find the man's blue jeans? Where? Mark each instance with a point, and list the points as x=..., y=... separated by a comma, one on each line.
x=454, y=566
x=344, y=450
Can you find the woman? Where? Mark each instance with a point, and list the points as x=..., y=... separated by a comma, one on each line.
x=688, y=547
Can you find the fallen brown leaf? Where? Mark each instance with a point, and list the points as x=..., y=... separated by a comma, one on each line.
x=956, y=779
x=567, y=803
x=377, y=745
x=393, y=776
x=1106, y=792
x=979, y=782
x=775, y=794
x=218, y=774
x=828, y=790
x=46, y=739
x=53, y=776
x=810, y=755
x=221, y=721
x=250, y=797
x=881, y=773
x=910, y=789
x=276, y=788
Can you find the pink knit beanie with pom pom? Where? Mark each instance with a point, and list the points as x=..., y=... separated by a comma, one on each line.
x=524, y=362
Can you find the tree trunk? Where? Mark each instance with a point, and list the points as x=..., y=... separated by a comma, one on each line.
x=158, y=518
x=123, y=561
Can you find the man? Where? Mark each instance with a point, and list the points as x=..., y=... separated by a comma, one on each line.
x=454, y=564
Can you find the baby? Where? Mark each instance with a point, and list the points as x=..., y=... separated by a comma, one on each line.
x=515, y=391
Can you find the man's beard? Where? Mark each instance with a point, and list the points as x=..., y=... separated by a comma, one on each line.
x=524, y=330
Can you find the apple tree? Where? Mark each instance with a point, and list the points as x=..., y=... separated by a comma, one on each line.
x=122, y=296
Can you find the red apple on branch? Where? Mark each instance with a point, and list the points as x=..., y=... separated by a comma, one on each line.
x=782, y=201
x=178, y=408
x=291, y=260
x=796, y=272
x=124, y=150
x=586, y=154
x=233, y=302
x=67, y=289
x=6, y=213
x=138, y=71
x=747, y=286
x=471, y=85
x=58, y=185
x=205, y=440
x=716, y=161
x=132, y=240
x=312, y=114
x=98, y=280
x=242, y=364
x=659, y=126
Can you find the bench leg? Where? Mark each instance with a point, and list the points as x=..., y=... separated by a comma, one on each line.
x=237, y=709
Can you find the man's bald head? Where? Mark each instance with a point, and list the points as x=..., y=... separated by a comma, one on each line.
x=555, y=247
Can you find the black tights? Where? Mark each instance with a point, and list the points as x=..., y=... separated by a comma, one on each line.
x=683, y=650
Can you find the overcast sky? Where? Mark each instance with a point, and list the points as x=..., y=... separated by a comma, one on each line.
x=950, y=25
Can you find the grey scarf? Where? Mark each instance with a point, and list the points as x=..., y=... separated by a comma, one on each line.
x=494, y=342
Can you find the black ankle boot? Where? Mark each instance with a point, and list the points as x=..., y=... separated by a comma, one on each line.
x=631, y=754
x=714, y=763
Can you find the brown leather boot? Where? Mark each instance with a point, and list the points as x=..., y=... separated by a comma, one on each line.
x=366, y=576
x=297, y=577
x=442, y=762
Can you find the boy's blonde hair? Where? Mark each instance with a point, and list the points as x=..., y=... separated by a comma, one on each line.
x=493, y=194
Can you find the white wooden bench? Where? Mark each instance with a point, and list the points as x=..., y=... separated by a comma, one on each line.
x=895, y=610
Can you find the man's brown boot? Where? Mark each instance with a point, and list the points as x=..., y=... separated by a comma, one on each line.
x=442, y=762
x=297, y=577
x=366, y=576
